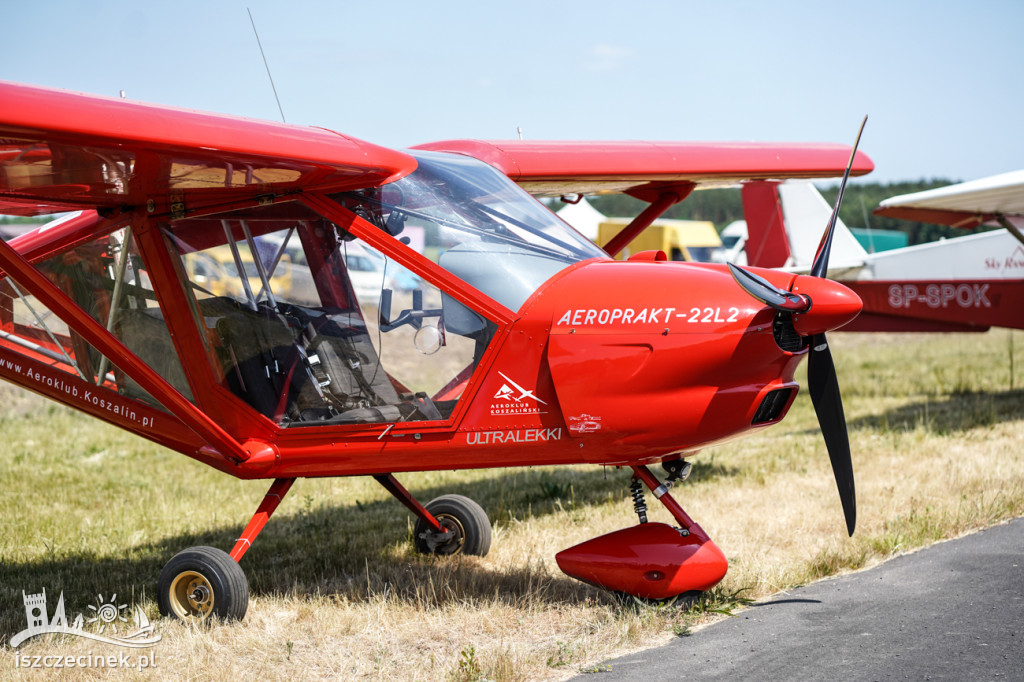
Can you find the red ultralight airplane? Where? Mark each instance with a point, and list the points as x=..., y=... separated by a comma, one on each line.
x=204, y=296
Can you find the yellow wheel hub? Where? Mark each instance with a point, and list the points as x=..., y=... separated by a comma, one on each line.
x=191, y=596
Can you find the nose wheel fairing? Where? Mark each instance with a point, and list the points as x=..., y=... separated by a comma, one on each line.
x=649, y=560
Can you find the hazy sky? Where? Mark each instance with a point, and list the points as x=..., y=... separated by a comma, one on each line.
x=941, y=81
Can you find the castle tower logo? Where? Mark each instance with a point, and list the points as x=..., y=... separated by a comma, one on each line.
x=106, y=617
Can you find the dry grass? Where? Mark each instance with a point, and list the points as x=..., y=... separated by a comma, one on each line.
x=935, y=424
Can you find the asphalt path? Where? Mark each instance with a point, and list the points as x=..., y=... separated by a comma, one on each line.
x=952, y=611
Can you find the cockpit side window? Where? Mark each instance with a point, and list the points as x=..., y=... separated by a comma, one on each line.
x=109, y=280
x=313, y=327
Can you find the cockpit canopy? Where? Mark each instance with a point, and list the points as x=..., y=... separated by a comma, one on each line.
x=480, y=225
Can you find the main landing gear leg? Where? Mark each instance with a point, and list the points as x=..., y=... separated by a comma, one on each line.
x=263, y=513
x=450, y=524
x=201, y=582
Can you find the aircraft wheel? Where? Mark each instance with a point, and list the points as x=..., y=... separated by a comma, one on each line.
x=468, y=528
x=201, y=582
x=632, y=601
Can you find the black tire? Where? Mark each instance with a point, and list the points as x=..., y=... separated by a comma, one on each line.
x=465, y=519
x=201, y=582
x=683, y=600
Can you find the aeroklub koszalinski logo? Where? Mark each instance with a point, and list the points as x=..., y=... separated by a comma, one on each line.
x=104, y=622
x=512, y=398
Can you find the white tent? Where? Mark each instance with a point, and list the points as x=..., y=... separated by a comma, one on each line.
x=584, y=217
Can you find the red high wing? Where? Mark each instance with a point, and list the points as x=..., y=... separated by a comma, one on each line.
x=62, y=150
x=648, y=169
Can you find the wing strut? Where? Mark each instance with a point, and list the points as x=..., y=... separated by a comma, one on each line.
x=1011, y=228
x=644, y=220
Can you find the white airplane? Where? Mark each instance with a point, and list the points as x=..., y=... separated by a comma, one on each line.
x=968, y=283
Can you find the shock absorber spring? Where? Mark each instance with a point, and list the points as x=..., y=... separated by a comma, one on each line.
x=639, y=506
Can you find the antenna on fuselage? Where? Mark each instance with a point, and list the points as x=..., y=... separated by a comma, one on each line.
x=265, y=64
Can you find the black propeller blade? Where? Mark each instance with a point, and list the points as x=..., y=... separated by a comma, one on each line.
x=821, y=375
x=828, y=406
x=821, y=371
x=820, y=266
x=768, y=293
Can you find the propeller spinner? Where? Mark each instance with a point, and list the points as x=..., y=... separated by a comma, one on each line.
x=833, y=305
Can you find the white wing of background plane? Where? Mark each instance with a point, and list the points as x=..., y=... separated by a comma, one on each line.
x=966, y=204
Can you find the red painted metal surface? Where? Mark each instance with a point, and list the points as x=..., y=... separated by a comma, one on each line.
x=870, y=322
x=650, y=560
x=659, y=364
x=399, y=492
x=964, y=219
x=832, y=305
x=413, y=260
x=669, y=502
x=605, y=362
x=767, y=244
x=631, y=361
x=651, y=361
x=658, y=367
x=268, y=506
x=58, y=302
x=34, y=373
x=642, y=222
x=555, y=168
x=69, y=233
x=75, y=150
x=973, y=305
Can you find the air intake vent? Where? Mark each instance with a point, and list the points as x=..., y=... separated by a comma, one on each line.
x=772, y=405
x=785, y=335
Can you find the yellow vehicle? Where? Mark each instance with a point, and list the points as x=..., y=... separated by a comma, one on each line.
x=215, y=271
x=680, y=239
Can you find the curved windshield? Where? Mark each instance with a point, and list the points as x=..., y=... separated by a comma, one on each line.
x=476, y=223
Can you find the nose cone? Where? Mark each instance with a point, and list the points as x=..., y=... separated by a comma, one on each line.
x=832, y=305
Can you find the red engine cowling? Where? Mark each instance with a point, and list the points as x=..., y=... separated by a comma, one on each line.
x=650, y=560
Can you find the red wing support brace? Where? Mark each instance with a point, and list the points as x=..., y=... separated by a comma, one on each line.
x=661, y=492
x=643, y=221
x=392, y=485
x=263, y=513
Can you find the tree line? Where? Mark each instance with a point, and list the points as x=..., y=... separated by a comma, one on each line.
x=722, y=206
